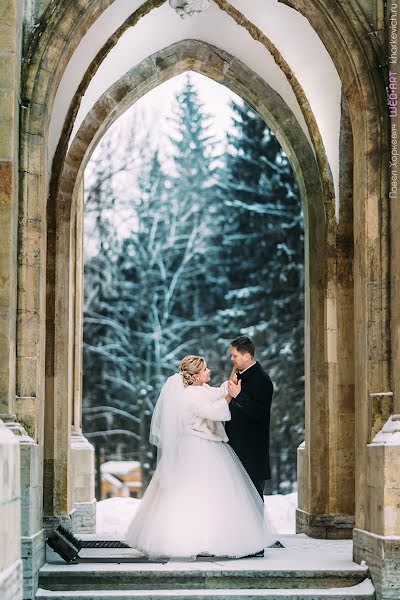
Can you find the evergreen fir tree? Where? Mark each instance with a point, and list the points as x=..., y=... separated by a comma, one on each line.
x=211, y=253
x=263, y=254
x=193, y=156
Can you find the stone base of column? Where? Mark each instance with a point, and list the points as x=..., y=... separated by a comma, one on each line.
x=82, y=479
x=32, y=533
x=33, y=552
x=325, y=527
x=10, y=517
x=84, y=517
x=51, y=522
x=382, y=555
x=11, y=582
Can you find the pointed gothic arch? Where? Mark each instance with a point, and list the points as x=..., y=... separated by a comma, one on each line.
x=367, y=306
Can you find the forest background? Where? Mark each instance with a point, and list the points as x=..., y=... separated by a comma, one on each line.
x=189, y=242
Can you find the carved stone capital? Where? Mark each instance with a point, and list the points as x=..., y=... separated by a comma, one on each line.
x=189, y=8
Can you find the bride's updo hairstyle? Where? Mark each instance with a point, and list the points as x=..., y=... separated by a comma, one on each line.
x=190, y=367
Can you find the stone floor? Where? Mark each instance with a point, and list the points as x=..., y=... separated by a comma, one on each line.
x=300, y=553
x=305, y=569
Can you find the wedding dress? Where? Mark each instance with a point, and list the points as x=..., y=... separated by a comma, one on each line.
x=200, y=499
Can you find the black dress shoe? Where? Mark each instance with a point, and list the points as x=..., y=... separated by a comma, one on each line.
x=276, y=544
x=260, y=553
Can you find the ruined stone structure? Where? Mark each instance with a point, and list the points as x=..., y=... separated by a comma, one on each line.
x=316, y=71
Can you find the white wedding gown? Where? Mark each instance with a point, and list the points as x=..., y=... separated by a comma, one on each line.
x=209, y=505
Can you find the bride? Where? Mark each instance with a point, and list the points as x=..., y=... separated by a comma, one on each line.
x=200, y=499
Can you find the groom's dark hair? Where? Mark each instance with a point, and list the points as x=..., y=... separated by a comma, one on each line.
x=244, y=344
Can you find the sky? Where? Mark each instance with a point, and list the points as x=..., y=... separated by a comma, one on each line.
x=157, y=103
x=149, y=114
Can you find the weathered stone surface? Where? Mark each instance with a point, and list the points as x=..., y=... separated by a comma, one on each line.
x=382, y=555
x=82, y=477
x=33, y=553
x=382, y=480
x=10, y=561
x=352, y=344
x=11, y=582
x=208, y=60
x=330, y=527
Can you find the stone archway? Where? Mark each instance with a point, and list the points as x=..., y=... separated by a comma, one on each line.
x=356, y=55
x=66, y=202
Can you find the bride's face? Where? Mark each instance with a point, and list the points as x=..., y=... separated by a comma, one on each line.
x=204, y=375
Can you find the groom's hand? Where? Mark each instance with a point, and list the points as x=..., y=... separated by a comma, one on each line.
x=234, y=389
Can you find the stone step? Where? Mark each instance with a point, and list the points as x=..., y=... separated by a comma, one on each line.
x=361, y=591
x=94, y=576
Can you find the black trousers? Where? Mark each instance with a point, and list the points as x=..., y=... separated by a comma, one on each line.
x=259, y=485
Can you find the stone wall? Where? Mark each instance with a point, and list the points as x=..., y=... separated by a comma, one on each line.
x=34, y=381
x=10, y=552
x=82, y=477
x=10, y=44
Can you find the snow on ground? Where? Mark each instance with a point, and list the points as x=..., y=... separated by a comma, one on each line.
x=114, y=514
x=282, y=511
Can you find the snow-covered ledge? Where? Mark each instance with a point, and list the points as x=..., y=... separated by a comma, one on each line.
x=378, y=542
x=10, y=502
x=82, y=466
x=189, y=8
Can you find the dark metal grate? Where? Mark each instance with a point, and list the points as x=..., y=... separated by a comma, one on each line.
x=102, y=544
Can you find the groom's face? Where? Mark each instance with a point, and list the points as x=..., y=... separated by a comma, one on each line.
x=240, y=361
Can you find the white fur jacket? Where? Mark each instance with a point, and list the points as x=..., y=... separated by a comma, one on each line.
x=205, y=411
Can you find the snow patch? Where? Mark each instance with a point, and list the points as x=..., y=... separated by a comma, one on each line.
x=282, y=511
x=114, y=514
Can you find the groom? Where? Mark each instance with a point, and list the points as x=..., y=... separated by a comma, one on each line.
x=251, y=390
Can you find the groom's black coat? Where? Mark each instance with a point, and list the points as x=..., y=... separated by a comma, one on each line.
x=248, y=429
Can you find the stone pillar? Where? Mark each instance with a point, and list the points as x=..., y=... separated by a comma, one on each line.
x=10, y=551
x=32, y=532
x=379, y=542
x=393, y=27
x=340, y=347
x=82, y=474
x=10, y=44
x=21, y=462
x=58, y=498
x=326, y=459
x=314, y=455
x=82, y=452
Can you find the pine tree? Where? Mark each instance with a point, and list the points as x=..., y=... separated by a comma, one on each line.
x=214, y=249
x=105, y=356
x=193, y=157
x=263, y=253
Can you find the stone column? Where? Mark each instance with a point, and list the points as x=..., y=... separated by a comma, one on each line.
x=10, y=44
x=340, y=347
x=22, y=463
x=58, y=500
x=379, y=542
x=82, y=452
x=10, y=551
x=32, y=532
x=394, y=170
x=326, y=459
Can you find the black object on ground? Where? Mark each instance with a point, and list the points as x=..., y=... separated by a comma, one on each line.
x=276, y=544
x=118, y=560
x=64, y=543
x=67, y=545
x=103, y=544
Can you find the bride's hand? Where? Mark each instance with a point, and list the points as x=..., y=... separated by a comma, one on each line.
x=234, y=389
